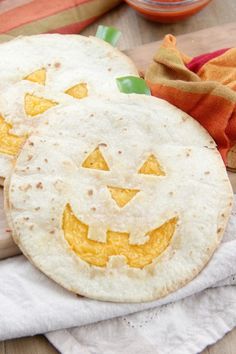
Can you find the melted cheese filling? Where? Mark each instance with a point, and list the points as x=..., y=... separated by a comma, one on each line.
x=122, y=196
x=96, y=161
x=9, y=143
x=152, y=167
x=38, y=76
x=35, y=105
x=97, y=253
x=78, y=91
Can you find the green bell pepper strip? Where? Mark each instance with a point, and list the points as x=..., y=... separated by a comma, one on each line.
x=132, y=84
x=108, y=34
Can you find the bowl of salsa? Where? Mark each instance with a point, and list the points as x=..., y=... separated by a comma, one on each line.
x=167, y=10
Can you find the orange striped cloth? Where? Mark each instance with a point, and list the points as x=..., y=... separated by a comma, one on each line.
x=204, y=87
x=24, y=17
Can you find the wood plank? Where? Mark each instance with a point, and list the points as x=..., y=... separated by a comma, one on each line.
x=227, y=345
x=40, y=345
x=232, y=177
x=29, y=345
x=137, y=30
x=2, y=348
x=192, y=44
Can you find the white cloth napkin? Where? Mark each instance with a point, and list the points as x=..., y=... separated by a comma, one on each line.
x=30, y=303
x=183, y=327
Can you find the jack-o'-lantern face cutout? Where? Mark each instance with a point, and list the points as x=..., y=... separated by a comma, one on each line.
x=34, y=106
x=126, y=203
x=117, y=243
x=47, y=71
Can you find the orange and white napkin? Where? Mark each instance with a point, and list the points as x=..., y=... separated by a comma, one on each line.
x=26, y=17
x=204, y=87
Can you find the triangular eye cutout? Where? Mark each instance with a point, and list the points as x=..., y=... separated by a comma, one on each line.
x=35, y=105
x=151, y=167
x=96, y=161
x=38, y=76
x=78, y=91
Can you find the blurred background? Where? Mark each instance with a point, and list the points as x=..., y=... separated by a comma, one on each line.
x=137, y=30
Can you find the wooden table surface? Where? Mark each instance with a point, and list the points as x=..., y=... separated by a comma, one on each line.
x=137, y=31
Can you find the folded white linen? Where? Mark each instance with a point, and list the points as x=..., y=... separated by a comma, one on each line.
x=30, y=303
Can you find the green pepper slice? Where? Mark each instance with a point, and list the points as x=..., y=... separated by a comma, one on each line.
x=132, y=84
x=108, y=34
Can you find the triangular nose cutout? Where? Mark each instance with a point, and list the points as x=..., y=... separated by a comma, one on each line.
x=96, y=161
x=151, y=167
x=122, y=196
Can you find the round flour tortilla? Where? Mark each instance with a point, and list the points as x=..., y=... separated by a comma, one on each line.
x=8, y=248
x=46, y=67
x=121, y=199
